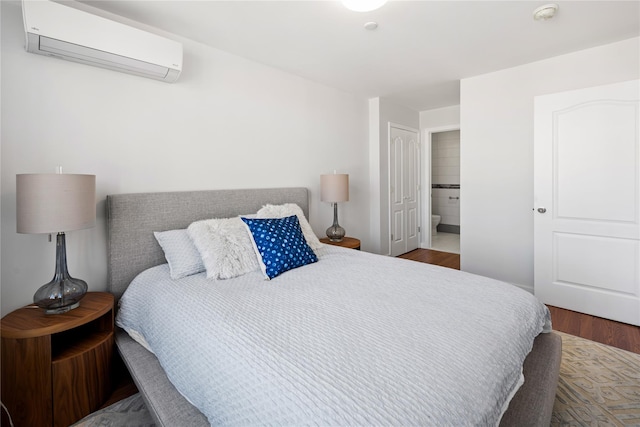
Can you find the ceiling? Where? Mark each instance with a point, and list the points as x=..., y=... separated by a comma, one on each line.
x=417, y=55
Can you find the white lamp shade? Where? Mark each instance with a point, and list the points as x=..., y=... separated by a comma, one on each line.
x=52, y=203
x=334, y=188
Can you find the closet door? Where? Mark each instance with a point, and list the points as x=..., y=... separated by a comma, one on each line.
x=404, y=189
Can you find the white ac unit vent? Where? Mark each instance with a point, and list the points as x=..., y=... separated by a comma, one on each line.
x=53, y=29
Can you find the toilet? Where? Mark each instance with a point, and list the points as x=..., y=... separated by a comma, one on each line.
x=435, y=220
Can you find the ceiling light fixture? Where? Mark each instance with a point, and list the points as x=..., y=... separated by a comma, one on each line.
x=545, y=12
x=363, y=5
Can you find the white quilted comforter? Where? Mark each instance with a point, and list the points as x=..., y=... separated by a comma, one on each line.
x=354, y=339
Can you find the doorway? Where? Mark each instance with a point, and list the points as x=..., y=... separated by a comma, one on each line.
x=445, y=191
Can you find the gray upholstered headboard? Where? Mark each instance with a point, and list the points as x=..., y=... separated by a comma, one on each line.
x=132, y=219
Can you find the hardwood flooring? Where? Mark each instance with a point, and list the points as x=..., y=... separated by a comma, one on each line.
x=615, y=334
x=444, y=259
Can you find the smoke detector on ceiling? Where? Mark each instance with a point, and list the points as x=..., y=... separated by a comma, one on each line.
x=545, y=12
x=371, y=26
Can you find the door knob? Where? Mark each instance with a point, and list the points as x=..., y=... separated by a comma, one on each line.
x=542, y=210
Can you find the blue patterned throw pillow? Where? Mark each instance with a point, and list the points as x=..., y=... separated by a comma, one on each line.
x=280, y=244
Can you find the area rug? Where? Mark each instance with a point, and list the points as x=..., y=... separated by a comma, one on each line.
x=599, y=385
x=129, y=412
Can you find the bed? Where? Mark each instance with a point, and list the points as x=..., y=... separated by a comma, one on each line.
x=259, y=372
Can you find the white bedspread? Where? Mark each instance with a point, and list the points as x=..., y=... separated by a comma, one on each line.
x=354, y=339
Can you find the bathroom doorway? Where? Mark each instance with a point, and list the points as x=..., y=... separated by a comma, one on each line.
x=445, y=190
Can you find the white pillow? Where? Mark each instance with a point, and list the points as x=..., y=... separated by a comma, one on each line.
x=288, y=209
x=225, y=247
x=180, y=252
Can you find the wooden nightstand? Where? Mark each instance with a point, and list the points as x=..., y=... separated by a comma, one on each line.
x=56, y=367
x=347, y=242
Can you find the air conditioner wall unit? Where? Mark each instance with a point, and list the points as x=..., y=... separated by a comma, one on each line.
x=60, y=31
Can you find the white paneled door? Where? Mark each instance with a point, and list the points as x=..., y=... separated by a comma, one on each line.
x=404, y=189
x=587, y=201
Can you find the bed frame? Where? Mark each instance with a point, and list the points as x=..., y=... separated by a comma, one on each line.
x=131, y=221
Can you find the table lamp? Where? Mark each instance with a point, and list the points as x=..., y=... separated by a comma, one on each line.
x=56, y=203
x=334, y=188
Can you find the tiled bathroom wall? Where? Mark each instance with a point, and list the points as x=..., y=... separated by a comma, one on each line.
x=445, y=158
x=445, y=179
x=446, y=203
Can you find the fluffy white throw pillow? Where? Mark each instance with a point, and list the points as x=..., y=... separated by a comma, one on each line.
x=288, y=209
x=225, y=247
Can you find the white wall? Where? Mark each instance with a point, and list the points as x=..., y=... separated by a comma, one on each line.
x=497, y=152
x=445, y=117
x=227, y=123
x=382, y=112
x=374, y=174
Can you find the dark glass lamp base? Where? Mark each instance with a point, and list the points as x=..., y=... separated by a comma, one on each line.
x=335, y=233
x=60, y=296
x=63, y=292
x=61, y=310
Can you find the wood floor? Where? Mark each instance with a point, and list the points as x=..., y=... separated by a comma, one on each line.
x=444, y=259
x=615, y=334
